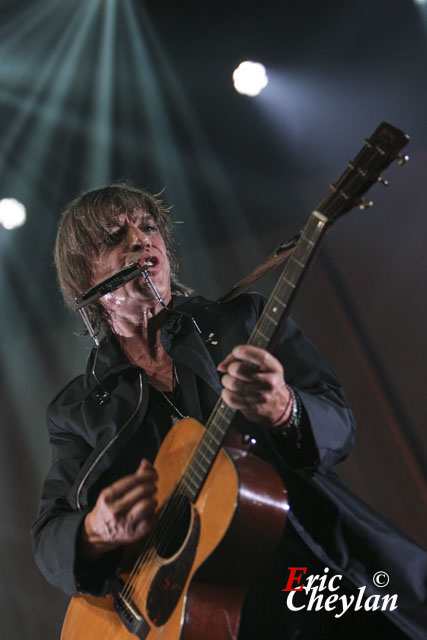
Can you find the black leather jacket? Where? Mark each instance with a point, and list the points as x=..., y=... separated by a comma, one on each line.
x=95, y=416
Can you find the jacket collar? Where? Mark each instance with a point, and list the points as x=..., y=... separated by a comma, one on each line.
x=181, y=338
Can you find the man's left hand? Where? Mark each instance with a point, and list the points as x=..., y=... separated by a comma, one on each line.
x=253, y=382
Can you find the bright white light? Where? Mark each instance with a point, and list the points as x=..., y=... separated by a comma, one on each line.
x=250, y=78
x=12, y=213
x=420, y=1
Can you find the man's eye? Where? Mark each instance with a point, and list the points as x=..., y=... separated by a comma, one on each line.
x=114, y=236
x=149, y=228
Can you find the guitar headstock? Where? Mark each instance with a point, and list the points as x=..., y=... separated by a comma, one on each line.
x=379, y=151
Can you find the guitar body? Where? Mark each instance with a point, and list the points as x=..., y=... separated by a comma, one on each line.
x=194, y=586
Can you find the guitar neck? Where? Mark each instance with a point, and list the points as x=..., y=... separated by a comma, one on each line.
x=278, y=305
x=268, y=324
x=216, y=429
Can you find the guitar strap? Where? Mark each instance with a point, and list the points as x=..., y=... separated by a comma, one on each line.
x=279, y=255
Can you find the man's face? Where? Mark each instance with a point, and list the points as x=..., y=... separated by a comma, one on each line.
x=133, y=237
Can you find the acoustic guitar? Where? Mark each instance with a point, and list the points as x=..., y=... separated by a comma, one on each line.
x=222, y=509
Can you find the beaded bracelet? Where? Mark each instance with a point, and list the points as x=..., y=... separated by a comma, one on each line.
x=295, y=417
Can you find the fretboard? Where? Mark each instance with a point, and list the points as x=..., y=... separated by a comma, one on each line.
x=271, y=318
x=280, y=299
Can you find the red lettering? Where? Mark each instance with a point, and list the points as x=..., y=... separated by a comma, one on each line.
x=294, y=578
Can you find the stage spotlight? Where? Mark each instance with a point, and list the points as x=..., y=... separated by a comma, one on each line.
x=250, y=78
x=12, y=213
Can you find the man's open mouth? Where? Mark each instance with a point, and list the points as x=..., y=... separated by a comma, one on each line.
x=150, y=261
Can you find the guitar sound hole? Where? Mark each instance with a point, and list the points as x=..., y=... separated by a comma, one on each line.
x=173, y=525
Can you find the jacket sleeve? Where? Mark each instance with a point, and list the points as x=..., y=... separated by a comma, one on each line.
x=327, y=427
x=56, y=532
x=326, y=432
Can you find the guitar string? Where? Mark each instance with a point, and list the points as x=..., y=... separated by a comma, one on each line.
x=173, y=512
x=149, y=548
x=255, y=338
x=169, y=517
x=168, y=520
x=193, y=463
x=135, y=583
x=168, y=508
x=174, y=509
x=259, y=336
x=195, y=460
x=202, y=446
x=148, y=544
x=191, y=472
x=265, y=321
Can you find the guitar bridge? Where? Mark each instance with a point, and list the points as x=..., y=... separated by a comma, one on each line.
x=128, y=612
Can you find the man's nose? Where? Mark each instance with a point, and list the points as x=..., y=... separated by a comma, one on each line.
x=137, y=239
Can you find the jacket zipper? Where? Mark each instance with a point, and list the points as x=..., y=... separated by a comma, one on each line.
x=107, y=446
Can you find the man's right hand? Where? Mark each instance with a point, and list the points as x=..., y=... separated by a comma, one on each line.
x=123, y=513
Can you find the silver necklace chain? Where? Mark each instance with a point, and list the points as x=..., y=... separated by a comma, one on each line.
x=174, y=407
x=175, y=382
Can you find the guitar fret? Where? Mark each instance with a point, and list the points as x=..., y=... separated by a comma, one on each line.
x=217, y=418
x=211, y=440
x=272, y=320
x=207, y=458
x=320, y=216
x=282, y=304
x=210, y=448
x=194, y=471
x=201, y=460
x=216, y=440
x=310, y=242
x=187, y=480
x=293, y=272
x=301, y=264
x=263, y=335
x=291, y=284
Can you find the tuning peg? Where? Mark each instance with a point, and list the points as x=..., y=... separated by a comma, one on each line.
x=383, y=181
x=401, y=160
x=365, y=204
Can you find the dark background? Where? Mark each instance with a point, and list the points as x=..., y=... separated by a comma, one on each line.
x=97, y=90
